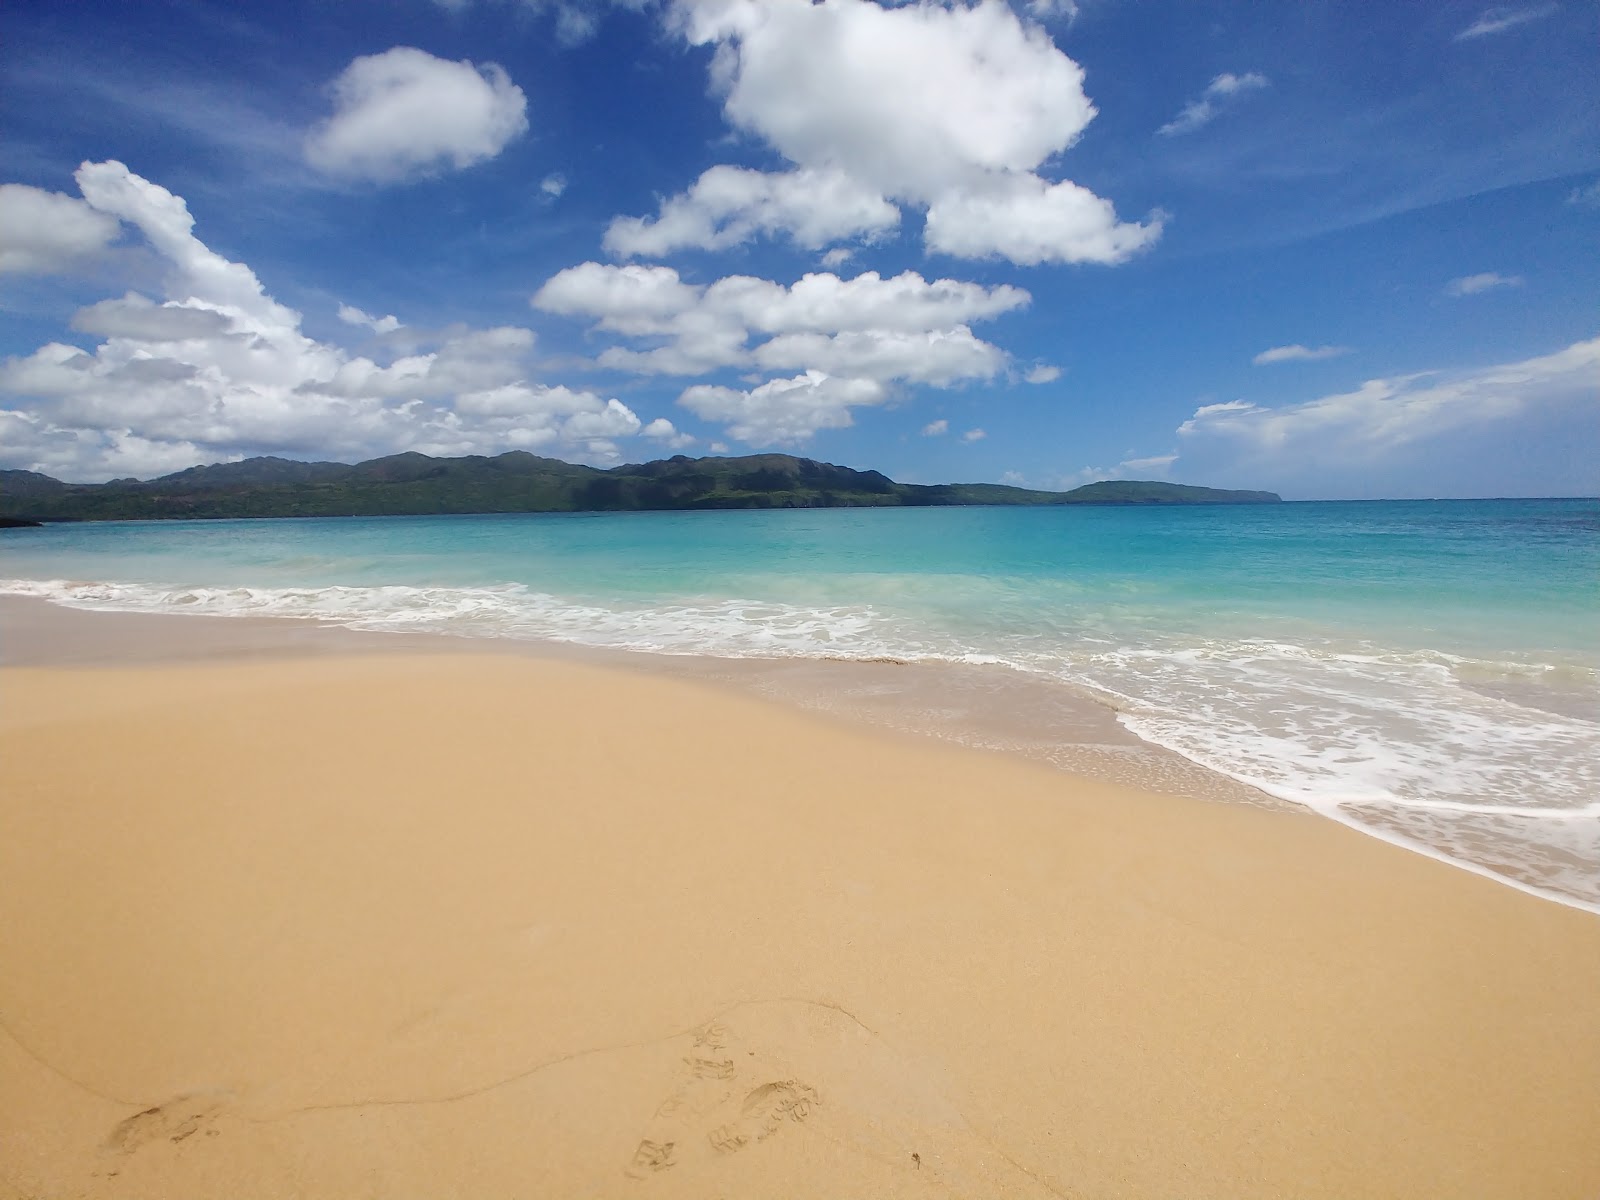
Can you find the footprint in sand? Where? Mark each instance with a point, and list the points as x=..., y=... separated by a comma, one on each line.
x=804, y=1070
x=725, y=1099
x=651, y=1157
x=763, y=1113
x=173, y=1121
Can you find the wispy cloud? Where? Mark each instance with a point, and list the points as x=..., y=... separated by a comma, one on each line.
x=1497, y=20
x=1155, y=466
x=1588, y=196
x=1043, y=373
x=1471, y=285
x=1044, y=10
x=1298, y=353
x=973, y=435
x=1447, y=428
x=936, y=428
x=1218, y=94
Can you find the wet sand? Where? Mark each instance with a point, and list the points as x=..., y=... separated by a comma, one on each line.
x=410, y=917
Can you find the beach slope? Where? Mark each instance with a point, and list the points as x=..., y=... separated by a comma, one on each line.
x=490, y=926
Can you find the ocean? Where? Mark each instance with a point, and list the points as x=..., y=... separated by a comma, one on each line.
x=1425, y=671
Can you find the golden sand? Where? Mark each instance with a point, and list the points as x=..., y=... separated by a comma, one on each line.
x=475, y=926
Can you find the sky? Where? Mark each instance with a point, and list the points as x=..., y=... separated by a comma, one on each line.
x=1336, y=249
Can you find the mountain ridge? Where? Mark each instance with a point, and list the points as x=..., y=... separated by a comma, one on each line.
x=413, y=484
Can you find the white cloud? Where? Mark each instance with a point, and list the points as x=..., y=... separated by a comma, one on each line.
x=784, y=412
x=1339, y=442
x=1029, y=221
x=973, y=435
x=1209, y=104
x=1587, y=196
x=902, y=327
x=936, y=428
x=1045, y=9
x=1229, y=406
x=404, y=113
x=43, y=233
x=1498, y=20
x=840, y=255
x=1298, y=353
x=1471, y=285
x=907, y=100
x=553, y=185
x=948, y=106
x=351, y=315
x=1013, y=478
x=141, y=319
x=1156, y=465
x=629, y=299
x=728, y=206
x=220, y=369
x=940, y=357
x=1042, y=373
x=663, y=430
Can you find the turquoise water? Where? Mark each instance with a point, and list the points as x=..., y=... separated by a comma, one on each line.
x=1425, y=670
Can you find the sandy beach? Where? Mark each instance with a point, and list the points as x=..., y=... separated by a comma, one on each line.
x=388, y=920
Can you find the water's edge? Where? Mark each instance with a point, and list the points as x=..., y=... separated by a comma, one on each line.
x=981, y=706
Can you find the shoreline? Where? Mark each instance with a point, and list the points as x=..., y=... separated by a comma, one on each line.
x=989, y=708
x=993, y=708
x=425, y=922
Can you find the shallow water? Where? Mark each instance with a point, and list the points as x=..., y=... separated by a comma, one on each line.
x=1424, y=670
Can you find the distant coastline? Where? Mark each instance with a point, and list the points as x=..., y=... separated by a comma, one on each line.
x=517, y=482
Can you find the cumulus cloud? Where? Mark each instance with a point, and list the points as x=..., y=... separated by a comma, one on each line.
x=1029, y=221
x=1042, y=373
x=956, y=106
x=784, y=412
x=973, y=435
x=404, y=114
x=728, y=206
x=936, y=428
x=939, y=356
x=663, y=430
x=1497, y=20
x=140, y=319
x=553, y=185
x=1298, y=353
x=219, y=369
x=904, y=327
x=1337, y=443
x=351, y=315
x=908, y=100
x=1471, y=285
x=1206, y=107
x=43, y=233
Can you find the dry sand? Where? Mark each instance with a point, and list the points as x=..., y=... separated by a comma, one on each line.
x=434, y=925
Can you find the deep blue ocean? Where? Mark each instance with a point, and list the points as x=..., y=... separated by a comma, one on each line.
x=1428, y=671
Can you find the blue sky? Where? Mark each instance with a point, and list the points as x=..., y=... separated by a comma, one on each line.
x=1333, y=249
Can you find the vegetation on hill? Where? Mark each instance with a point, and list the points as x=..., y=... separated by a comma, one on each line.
x=415, y=484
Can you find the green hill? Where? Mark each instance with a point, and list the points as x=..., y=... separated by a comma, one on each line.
x=415, y=484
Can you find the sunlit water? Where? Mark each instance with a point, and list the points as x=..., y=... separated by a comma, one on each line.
x=1426, y=671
